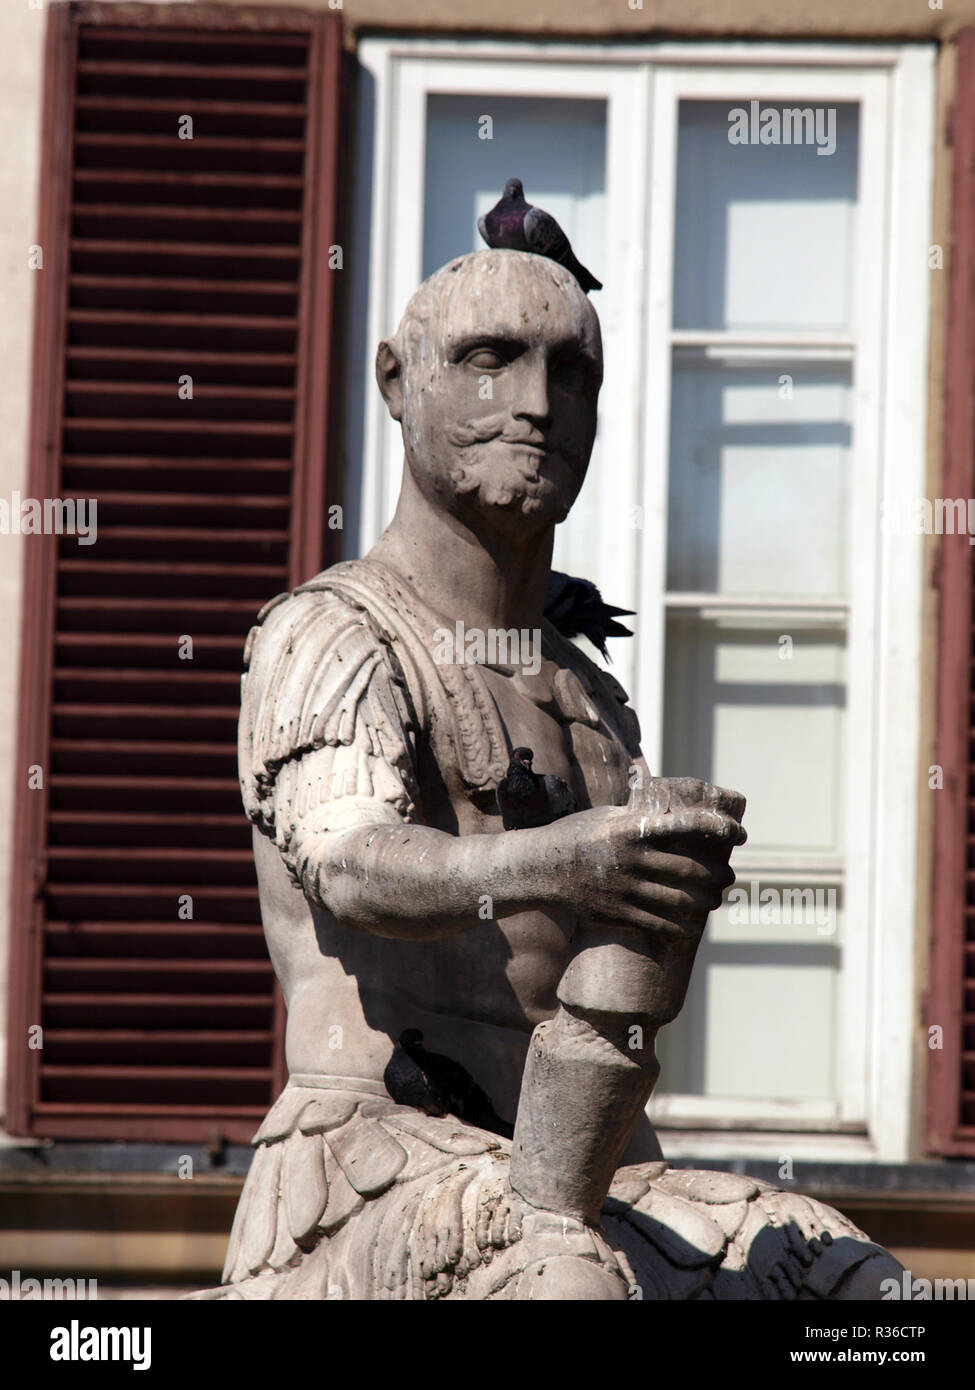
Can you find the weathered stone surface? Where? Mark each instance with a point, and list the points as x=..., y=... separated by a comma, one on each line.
x=683, y=1232
x=280, y=1119
x=258, y=1237
x=708, y=1187
x=303, y=1183
x=330, y=1112
x=369, y=1157
x=455, y=1140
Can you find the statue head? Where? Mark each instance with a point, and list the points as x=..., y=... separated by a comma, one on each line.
x=494, y=375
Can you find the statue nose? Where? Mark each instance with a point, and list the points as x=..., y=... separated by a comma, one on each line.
x=533, y=395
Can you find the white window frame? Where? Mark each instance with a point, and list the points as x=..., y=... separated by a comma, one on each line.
x=642, y=85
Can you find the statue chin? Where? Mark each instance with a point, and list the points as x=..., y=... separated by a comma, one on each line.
x=544, y=495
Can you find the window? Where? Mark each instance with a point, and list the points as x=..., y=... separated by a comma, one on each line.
x=181, y=353
x=754, y=420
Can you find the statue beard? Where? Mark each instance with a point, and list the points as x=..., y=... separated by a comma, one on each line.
x=507, y=480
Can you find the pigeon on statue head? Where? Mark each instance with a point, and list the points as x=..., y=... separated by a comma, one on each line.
x=514, y=225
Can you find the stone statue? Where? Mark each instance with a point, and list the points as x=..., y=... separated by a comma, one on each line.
x=446, y=978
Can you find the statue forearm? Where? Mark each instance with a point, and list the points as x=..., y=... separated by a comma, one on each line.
x=418, y=883
x=591, y=1069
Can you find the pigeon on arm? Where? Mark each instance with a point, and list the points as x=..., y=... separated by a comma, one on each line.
x=528, y=799
x=515, y=225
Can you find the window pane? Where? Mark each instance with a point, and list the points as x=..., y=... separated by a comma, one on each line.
x=761, y=1019
x=759, y=476
x=745, y=709
x=764, y=233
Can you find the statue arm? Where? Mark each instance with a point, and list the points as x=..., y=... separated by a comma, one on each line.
x=328, y=735
x=403, y=880
x=327, y=740
x=418, y=883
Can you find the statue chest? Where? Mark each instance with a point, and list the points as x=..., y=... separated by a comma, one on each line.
x=551, y=713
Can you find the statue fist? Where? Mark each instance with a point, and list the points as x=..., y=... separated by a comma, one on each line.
x=660, y=862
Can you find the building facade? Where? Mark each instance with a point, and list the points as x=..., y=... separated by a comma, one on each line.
x=214, y=213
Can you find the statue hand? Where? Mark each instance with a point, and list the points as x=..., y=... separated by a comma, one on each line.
x=661, y=870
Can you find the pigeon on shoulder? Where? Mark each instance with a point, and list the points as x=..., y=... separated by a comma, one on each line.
x=575, y=606
x=515, y=225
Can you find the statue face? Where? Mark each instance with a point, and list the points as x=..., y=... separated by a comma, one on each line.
x=500, y=383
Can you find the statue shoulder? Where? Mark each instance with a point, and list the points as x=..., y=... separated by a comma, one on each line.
x=319, y=672
x=604, y=689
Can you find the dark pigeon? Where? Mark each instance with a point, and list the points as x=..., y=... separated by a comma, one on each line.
x=528, y=799
x=575, y=606
x=514, y=225
x=437, y=1085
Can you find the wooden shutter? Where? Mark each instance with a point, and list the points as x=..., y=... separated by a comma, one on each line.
x=950, y=1004
x=165, y=259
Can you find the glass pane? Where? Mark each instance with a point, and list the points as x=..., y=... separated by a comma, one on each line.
x=764, y=232
x=759, y=477
x=761, y=1019
x=765, y=716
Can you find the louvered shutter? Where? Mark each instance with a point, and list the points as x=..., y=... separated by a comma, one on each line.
x=181, y=379
x=950, y=1004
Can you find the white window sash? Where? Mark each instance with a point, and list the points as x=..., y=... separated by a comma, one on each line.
x=805, y=88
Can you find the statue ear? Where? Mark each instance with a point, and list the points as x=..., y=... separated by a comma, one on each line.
x=389, y=374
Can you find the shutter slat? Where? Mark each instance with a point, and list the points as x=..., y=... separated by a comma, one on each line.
x=135, y=71
x=225, y=45
x=148, y=686
x=169, y=294
x=185, y=939
x=221, y=262
x=144, y=793
x=173, y=507
x=80, y=828
x=100, y=614
x=153, y=901
x=247, y=1048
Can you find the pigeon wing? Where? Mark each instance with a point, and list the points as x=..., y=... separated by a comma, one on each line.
x=561, y=800
x=544, y=235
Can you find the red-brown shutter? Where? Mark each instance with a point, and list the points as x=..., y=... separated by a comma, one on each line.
x=164, y=257
x=950, y=1005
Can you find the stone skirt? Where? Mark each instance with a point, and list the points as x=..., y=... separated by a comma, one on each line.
x=351, y=1196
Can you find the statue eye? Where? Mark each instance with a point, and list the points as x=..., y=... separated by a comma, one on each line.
x=571, y=373
x=486, y=358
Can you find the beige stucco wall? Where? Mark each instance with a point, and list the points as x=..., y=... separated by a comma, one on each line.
x=21, y=72
x=635, y=19
x=21, y=47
